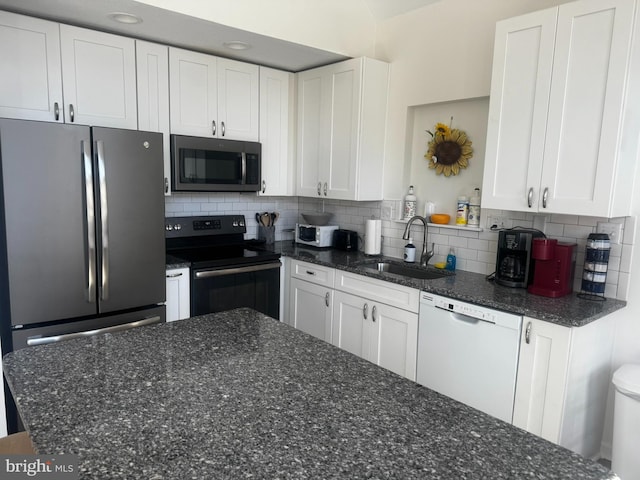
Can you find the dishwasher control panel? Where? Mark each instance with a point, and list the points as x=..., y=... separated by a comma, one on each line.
x=469, y=310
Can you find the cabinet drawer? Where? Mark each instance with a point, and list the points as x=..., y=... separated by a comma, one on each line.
x=313, y=273
x=379, y=290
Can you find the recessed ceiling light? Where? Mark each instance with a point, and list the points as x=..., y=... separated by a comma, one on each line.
x=237, y=45
x=122, y=17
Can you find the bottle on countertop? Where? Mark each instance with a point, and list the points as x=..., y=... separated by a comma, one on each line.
x=451, y=261
x=410, y=252
x=462, y=211
x=474, y=209
x=409, y=204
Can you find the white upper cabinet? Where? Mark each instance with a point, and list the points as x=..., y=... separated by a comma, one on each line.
x=560, y=135
x=341, y=129
x=212, y=97
x=99, y=78
x=276, y=128
x=152, y=67
x=30, y=72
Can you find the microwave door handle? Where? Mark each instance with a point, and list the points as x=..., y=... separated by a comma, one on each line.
x=104, y=218
x=91, y=223
x=244, y=168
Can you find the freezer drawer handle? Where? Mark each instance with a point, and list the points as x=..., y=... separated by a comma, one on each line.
x=104, y=221
x=33, y=341
x=232, y=271
x=91, y=225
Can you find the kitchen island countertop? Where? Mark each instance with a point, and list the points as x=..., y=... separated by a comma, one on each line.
x=239, y=395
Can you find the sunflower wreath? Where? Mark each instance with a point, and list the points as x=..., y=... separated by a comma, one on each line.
x=449, y=150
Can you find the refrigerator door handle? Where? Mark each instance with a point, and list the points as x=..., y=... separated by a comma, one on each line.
x=33, y=341
x=91, y=224
x=104, y=219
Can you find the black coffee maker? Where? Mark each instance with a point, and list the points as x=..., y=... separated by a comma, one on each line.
x=513, y=261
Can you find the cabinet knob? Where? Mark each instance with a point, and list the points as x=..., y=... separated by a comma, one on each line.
x=373, y=313
x=326, y=299
x=71, y=113
x=527, y=333
x=530, y=197
x=365, y=311
x=325, y=189
x=213, y=127
x=545, y=196
x=56, y=111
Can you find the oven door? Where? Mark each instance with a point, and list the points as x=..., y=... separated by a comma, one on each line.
x=255, y=286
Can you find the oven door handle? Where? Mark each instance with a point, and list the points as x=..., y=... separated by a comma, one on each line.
x=231, y=271
x=32, y=341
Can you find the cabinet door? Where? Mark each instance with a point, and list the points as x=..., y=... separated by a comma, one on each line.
x=351, y=329
x=193, y=90
x=276, y=103
x=178, y=298
x=238, y=95
x=394, y=344
x=338, y=170
x=99, y=71
x=152, y=67
x=520, y=84
x=542, y=374
x=310, y=308
x=312, y=124
x=30, y=72
x=590, y=64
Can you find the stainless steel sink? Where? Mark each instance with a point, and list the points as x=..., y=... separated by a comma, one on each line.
x=420, y=273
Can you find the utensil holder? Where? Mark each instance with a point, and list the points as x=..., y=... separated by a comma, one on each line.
x=596, y=264
x=268, y=234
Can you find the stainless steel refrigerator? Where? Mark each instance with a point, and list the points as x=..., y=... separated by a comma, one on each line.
x=82, y=237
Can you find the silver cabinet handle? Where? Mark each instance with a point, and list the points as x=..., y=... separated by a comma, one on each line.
x=104, y=221
x=373, y=313
x=326, y=299
x=223, y=128
x=56, y=111
x=319, y=188
x=365, y=311
x=527, y=333
x=32, y=341
x=530, y=198
x=174, y=275
x=264, y=186
x=545, y=196
x=213, y=127
x=325, y=189
x=166, y=185
x=71, y=113
x=91, y=223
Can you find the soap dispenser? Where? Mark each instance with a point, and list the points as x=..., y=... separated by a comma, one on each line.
x=451, y=261
x=410, y=251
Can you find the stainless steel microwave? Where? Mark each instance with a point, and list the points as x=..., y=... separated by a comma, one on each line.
x=201, y=164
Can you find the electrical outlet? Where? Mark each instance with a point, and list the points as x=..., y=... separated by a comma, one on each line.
x=500, y=221
x=614, y=230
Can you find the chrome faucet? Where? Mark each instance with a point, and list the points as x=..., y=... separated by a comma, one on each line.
x=426, y=255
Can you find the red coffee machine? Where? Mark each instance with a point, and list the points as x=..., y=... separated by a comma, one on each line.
x=554, y=267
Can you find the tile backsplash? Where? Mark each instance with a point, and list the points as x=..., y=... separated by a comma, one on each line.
x=475, y=251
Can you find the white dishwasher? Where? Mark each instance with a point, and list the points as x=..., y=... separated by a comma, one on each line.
x=469, y=353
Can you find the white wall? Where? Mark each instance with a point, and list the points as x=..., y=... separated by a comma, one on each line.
x=340, y=26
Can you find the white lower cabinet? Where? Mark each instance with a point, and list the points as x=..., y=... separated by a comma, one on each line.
x=563, y=382
x=310, y=308
x=178, y=293
x=384, y=335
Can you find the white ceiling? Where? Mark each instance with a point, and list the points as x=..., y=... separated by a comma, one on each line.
x=171, y=28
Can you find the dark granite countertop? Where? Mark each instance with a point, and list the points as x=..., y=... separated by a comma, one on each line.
x=239, y=395
x=466, y=286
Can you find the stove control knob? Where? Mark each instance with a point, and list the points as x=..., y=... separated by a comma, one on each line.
x=177, y=226
x=241, y=223
x=168, y=227
x=235, y=223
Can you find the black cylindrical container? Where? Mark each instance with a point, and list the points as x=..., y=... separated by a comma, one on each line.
x=596, y=263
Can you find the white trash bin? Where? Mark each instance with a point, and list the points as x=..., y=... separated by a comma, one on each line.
x=625, y=457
